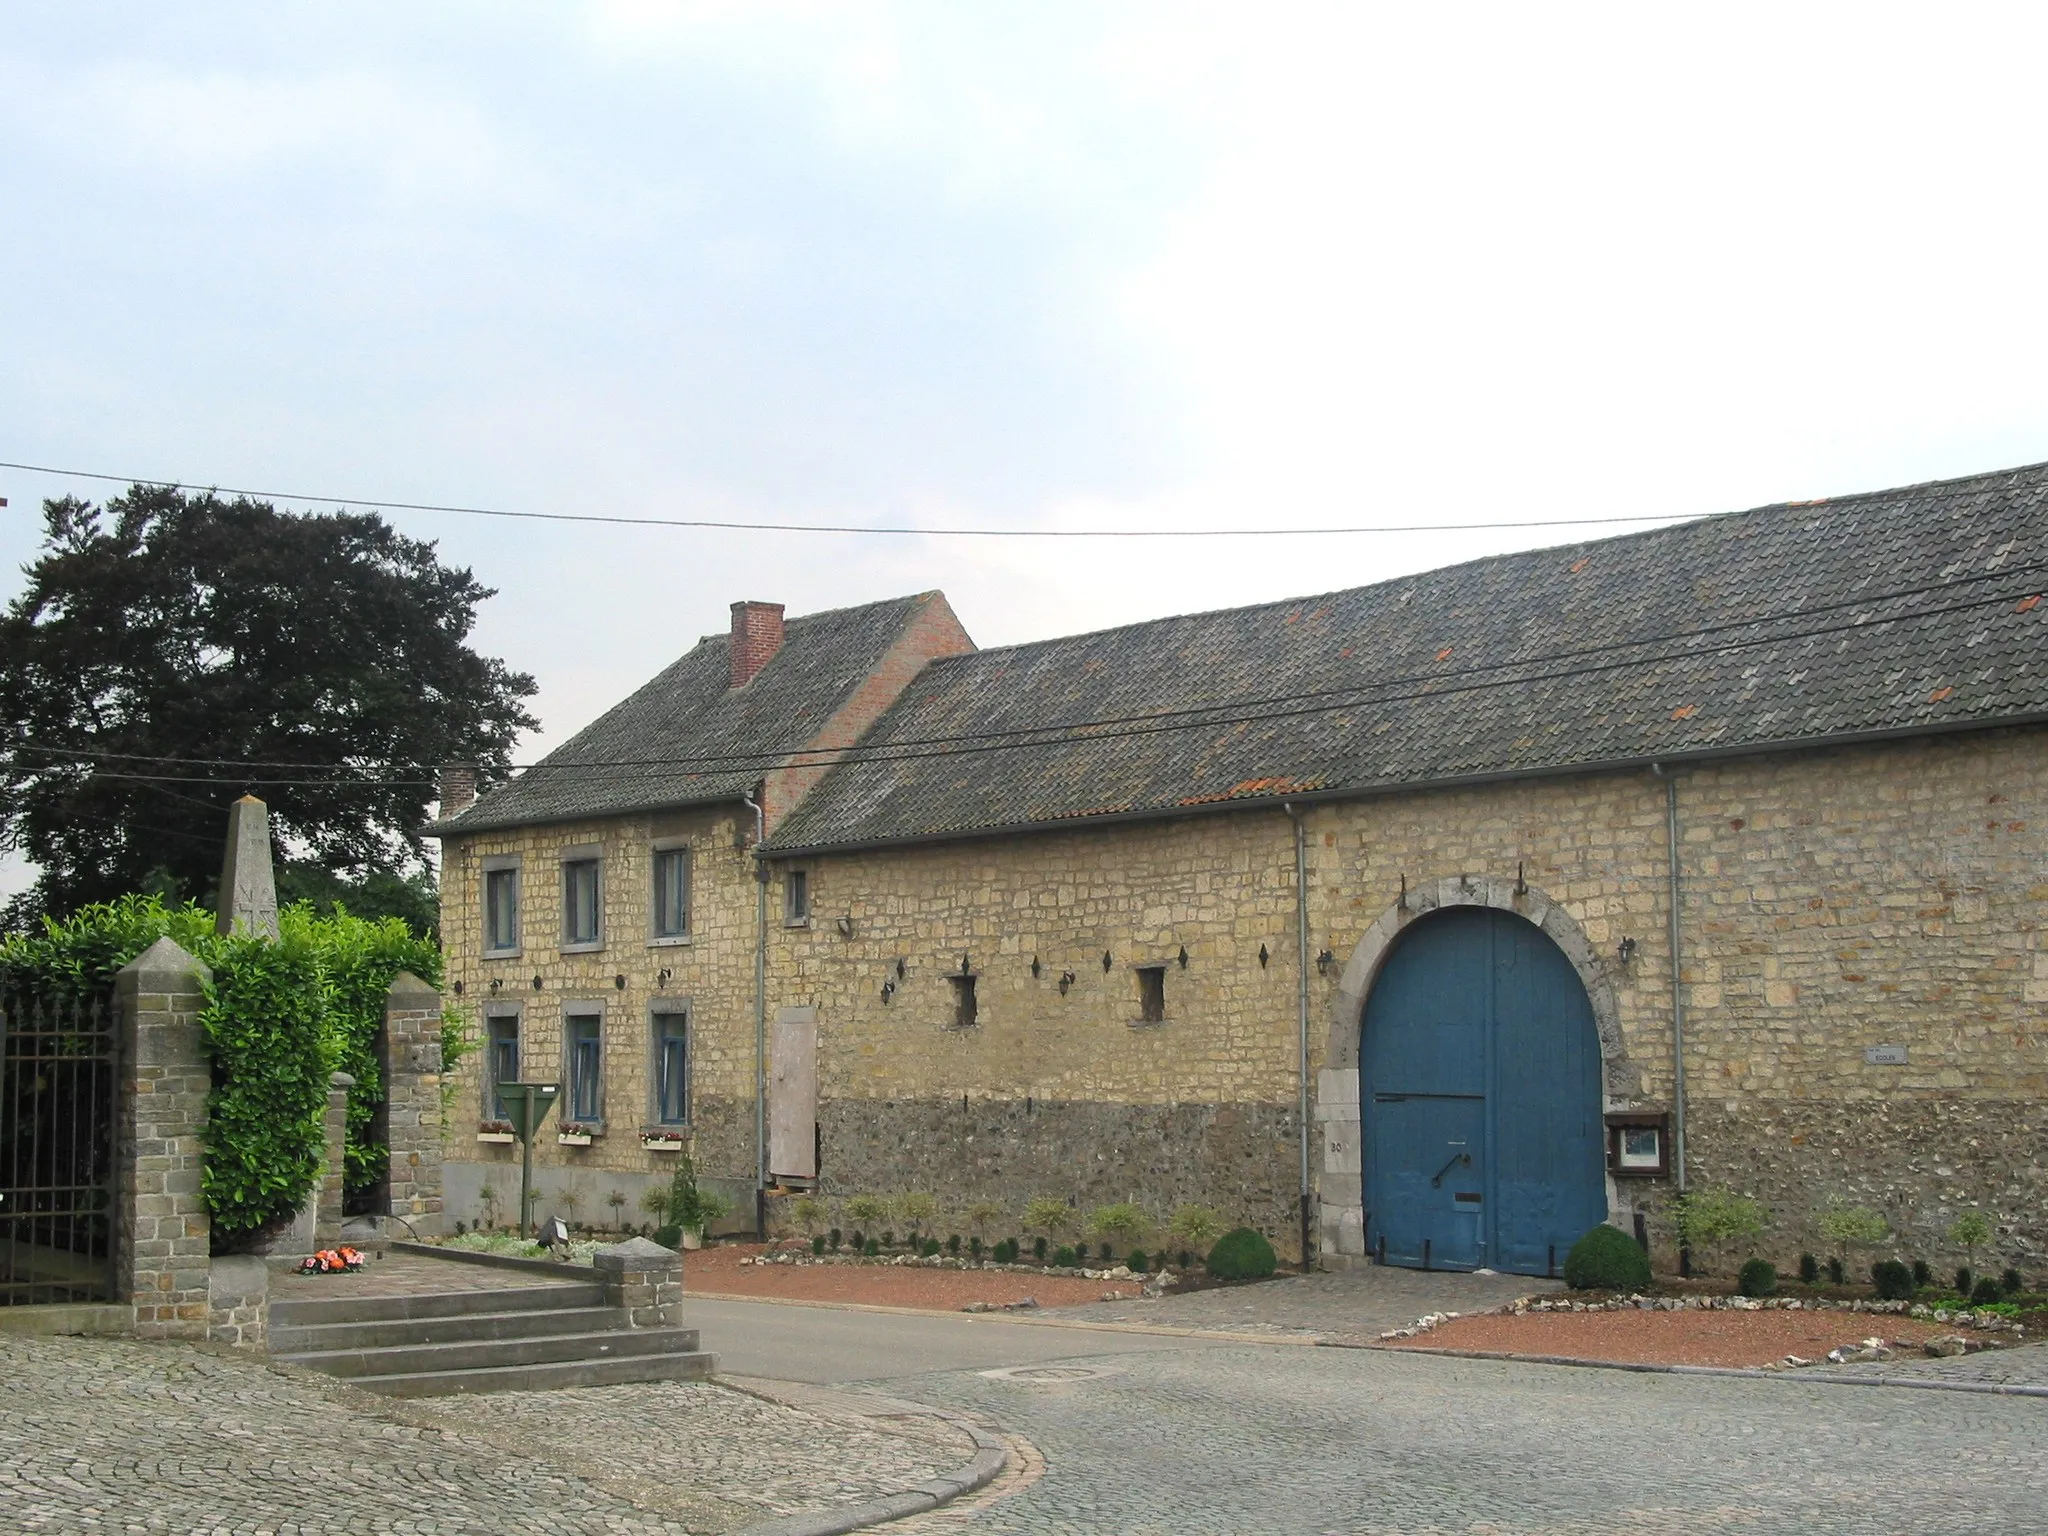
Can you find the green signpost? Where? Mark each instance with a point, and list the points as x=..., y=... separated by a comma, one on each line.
x=526, y=1106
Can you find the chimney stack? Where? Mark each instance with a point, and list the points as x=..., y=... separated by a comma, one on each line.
x=458, y=788
x=756, y=636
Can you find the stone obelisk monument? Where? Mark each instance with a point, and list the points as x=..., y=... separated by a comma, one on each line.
x=248, y=890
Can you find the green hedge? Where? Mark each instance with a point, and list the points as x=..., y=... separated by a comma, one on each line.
x=280, y=1016
x=1607, y=1259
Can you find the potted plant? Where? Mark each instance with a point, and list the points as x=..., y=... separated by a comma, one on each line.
x=661, y=1138
x=689, y=1208
x=575, y=1133
x=497, y=1132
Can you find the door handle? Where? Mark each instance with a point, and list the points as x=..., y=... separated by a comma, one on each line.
x=1462, y=1157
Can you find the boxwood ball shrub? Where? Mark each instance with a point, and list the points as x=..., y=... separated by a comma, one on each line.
x=1809, y=1269
x=1894, y=1281
x=1242, y=1254
x=1607, y=1259
x=2012, y=1282
x=1063, y=1258
x=1987, y=1292
x=1138, y=1262
x=1922, y=1273
x=1759, y=1278
x=818, y=1247
x=1836, y=1274
x=670, y=1236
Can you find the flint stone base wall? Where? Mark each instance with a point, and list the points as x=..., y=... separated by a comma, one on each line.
x=1240, y=1159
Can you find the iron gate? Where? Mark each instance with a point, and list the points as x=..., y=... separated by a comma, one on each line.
x=57, y=1114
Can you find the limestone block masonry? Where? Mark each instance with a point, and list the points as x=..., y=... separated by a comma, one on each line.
x=643, y=1279
x=410, y=1119
x=161, y=1229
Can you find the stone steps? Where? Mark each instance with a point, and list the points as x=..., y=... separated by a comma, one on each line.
x=521, y=1338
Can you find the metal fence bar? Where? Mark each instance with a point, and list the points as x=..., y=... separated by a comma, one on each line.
x=58, y=1096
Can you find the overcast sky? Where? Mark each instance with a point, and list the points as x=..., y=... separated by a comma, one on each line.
x=1028, y=266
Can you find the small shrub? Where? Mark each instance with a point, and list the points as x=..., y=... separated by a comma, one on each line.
x=1809, y=1269
x=1853, y=1226
x=857, y=1240
x=866, y=1210
x=1038, y=1249
x=1759, y=1278
x=984, y=1214
x=1964, y=1280
x=1138, y=1262
x=888, y=1239
x=1195, y=1224
x=2012, y=1283
x=1970, y=1231
x=1182, y=1259
x=1987, y=1292
x=1124, y=1221
x=1836, y=1274
x=1106, y=1253
x=1922, y=1274
x=1894, y=1281
x=818, y=1247
x=833, y=1239
x=872, y=1248
x=931, y=1247
x=1004, y=1252
x=953, y=1244
x=917, y=1209
x=808, y=1212
x=1242, y=1254
x=1063, y=1258
x=1607, y=1259
x=1048, y=1214
x=461, y=1227
x=670, y=1236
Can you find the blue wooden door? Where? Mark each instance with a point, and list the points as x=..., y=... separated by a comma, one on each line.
x=1480, y=1089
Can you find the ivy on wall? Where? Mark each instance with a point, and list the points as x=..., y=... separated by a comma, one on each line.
x=280, y=1016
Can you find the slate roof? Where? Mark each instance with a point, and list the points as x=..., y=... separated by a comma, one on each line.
x=688, y=737
x=1902, y=611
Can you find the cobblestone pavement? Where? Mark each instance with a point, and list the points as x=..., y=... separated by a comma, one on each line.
x=1352, y=1305
x=111, y=1436
x=1355, y=1441
x=2026, y=1366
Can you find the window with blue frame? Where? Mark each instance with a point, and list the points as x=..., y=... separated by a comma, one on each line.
x=582, y=903
x=584, y=1033
x=672, y=1068
x=671, y=893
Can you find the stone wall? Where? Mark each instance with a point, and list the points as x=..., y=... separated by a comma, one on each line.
x=410, y=1117
x=1879, y=895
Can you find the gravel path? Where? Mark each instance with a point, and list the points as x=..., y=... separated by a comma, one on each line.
x=111, y=1436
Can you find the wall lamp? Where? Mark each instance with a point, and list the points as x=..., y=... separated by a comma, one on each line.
x=661, y=976
x=1323, y=959
x=619, y=981
x=888, y=991
x=1626, y=951
x=1066, y=981
x=846, y=926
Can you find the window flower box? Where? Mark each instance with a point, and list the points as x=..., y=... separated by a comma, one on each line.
x=662, y=1140
x=496, y=1132
x=575, y=1135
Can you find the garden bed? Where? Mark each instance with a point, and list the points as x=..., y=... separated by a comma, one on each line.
x=729, y=1269
x=1689, y=1336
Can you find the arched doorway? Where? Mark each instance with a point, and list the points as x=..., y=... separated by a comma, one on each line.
x=1480, y=1097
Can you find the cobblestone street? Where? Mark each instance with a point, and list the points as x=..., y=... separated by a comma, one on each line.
x=105, y=1436
x=1361, y=1441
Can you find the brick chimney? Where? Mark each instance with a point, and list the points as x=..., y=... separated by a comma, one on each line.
x=756, y=636
x=458, y=788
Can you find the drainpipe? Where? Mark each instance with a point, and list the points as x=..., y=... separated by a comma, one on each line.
x=760, y=1017
x=1677, y=994
x=1301, y=935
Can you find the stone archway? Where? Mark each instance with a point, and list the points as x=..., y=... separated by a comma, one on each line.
x=1340, y=1202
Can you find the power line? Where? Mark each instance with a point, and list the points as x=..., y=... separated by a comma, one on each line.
x=1199, y=715
x=884, y=753
x=853, y=528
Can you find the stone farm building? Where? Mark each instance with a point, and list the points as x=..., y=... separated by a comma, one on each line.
x=1352, y=916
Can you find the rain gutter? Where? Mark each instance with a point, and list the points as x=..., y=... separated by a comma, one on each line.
x=760, y=1014
x=1301, y=967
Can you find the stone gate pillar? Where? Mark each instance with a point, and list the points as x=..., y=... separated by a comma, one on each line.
x=161, y=1229
x=412, y=1102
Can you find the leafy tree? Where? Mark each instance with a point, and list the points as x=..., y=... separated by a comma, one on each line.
x=168, y=637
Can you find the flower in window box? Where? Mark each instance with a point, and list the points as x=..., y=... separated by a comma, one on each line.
x=498, y=1131
x=576, y=1133
x=661, y=1138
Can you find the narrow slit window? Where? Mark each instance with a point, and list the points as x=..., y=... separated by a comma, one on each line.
x=671, y=893
x=1151, y=994
x=502, y=1062
x=586, y=1068
x=796, y=896
x=671, y=1069
x=501, y=909
x=580, y=904
x=965, y=1011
